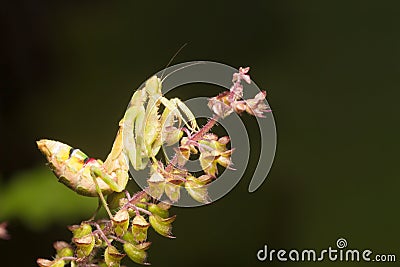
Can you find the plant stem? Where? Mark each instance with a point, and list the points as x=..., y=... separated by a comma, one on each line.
x=196, y=137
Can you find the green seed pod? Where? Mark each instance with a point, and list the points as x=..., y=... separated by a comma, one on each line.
x=139, y=228
x=100, y=243
x=116, y=200
x=173, y=191
x=156, y=185
x=162, y=226
x=197, y=189
x=47, y=263
x=84, y=245
x=128, y=236
x=135, y=254
x=143, y=245
x=63, y=249
x=80, y=230
x=112, y=257
x=160, y=209
x=141, y=204
x=120, y=222
x=101, y=264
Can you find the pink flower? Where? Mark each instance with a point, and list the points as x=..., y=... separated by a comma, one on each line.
x=220, y=104
x=242, y=75
x=256, y=106
x=236, y=92
x=3, y=231
x=232, y=100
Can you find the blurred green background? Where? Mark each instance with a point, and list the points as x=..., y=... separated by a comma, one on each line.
x=331, y=70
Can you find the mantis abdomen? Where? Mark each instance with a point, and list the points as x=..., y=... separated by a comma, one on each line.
x=73, y=167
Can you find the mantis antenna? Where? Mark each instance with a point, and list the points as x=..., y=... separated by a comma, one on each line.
x=181, y=68
x=172, y=58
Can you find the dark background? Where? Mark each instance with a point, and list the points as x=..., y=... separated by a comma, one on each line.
x=331, y=70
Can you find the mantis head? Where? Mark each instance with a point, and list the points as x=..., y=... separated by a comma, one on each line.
x=54, y=150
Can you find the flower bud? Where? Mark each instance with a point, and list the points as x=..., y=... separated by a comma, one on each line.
x=120, y=222
x=84, y=245
x=135, y=254
x=162, y=226
x=112, y=257
x=139, y=228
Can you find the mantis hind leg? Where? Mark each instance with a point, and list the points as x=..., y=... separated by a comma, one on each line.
x=97, y=210
x=96, y=172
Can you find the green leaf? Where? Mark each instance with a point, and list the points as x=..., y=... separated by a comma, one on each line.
x=37, y=199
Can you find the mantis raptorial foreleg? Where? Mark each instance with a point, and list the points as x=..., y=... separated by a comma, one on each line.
x=142, y=126
x=133, y=123
x=188, y=113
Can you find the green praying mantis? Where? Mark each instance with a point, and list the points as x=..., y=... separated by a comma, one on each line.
x=142, y=132
x=150, y=122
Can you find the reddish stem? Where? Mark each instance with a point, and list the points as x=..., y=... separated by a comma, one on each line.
x=196, y=137
x=205, y=129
